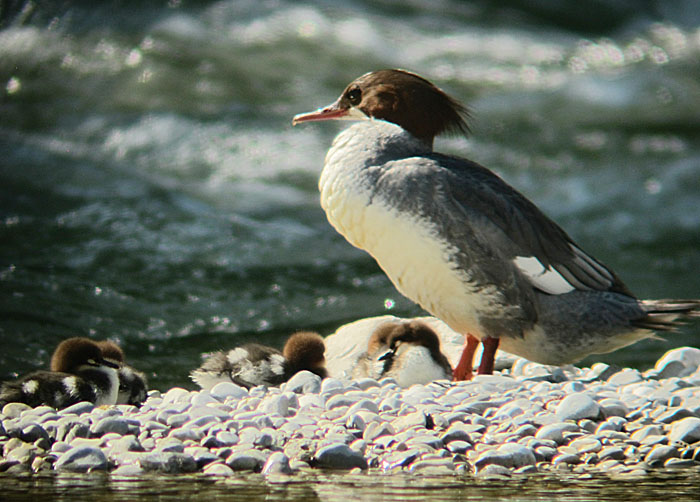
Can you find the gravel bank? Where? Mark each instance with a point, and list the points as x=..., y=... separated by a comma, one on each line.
x=524, y=419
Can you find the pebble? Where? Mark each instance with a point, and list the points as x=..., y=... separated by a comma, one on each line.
x=520, y=421
x=82, y=459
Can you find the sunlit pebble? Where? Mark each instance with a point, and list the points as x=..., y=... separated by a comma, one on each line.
x=389, y=304
x=13, y=85
x=652, y=186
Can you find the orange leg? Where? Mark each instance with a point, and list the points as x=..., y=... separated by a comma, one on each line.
x=488, y=355
x=463, y=370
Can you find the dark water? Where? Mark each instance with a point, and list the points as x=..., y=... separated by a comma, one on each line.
x=153, y=190
x=664, y=486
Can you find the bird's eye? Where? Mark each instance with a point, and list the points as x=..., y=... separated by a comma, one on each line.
x=354, y=96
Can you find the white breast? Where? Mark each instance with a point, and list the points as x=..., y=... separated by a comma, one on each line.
x=404, y=246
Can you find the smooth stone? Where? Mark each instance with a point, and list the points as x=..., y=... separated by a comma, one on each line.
x=14, y=410
x=78, y=408
x=625, y=377
x=228, y=390
x=277, y=463
x=375, y=430
x=23, y=453
x=613, y=407
x=126, y=443
x=127, y=471
x=688, y=357
x=555, y=431
x=611, y=452
x=340, y=400
x=494, y=471
x=566, y=458
x=577, y=406
x=107, y=425
x=645, y=431
x=176, y=395
x=433, y=466
x=339, y=456
x=277, y=404
x=247, y=460
x=660, y=453
x=82, y=459
x=218, y=469
x=169, y=462
x=673, y=415
x=686, y=430
x=364, y=404
x=303, y=382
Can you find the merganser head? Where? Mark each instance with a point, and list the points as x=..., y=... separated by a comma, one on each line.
x=305, y=350
x=111, y=351
x=416, y=333
x=400, y=97
x=75, y=352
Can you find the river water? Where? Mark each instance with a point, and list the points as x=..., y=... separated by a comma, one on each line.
x=152, y=189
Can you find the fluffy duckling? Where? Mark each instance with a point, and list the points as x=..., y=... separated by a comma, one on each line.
x=132, y=383
x=79, y=373
x=409, y=352
x=252, y=364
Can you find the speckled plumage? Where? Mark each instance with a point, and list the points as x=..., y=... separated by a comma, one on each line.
x=252, y=364
x=79, y=373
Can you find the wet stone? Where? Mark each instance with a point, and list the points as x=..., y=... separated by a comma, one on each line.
x=82, y=459
x=339, y=456
x=686, y=430
x=168, y=462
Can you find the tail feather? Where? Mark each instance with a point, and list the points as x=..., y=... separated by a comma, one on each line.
x=667, y=315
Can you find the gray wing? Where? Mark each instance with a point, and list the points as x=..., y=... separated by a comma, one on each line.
x=492, y=225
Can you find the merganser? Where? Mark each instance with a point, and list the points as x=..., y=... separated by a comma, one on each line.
x=252, y=364
x=133, y=385
x=79, y=373
x=409, y=352
x=455, y=238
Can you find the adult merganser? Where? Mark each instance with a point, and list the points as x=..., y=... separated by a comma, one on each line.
x=79, y=373
x=133, y=385
x=455, y=238
x=253, y=364
x=409, y=352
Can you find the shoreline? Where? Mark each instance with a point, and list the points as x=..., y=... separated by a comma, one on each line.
x=525, y=419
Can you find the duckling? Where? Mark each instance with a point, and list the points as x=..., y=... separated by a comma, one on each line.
x=132, y=383
x=409, y=352
x=252, y=364
x=79, y=373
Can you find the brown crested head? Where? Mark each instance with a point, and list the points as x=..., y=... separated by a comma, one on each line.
x=111, y=350
x=379, y=339
x=417, y=333
x=400, y=97
x=75, y=352
x=305, y=350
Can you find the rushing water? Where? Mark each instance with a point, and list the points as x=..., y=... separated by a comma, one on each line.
x=153, y=190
